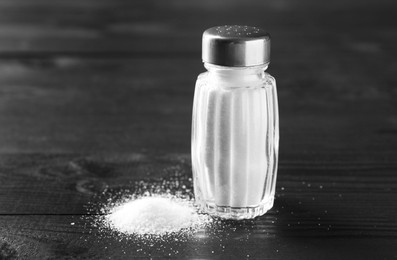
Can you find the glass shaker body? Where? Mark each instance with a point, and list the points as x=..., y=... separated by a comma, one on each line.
x=235, y=137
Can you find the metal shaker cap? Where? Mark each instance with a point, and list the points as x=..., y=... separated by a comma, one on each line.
x=236, y=46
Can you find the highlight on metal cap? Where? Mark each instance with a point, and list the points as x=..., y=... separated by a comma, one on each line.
x=236, y=46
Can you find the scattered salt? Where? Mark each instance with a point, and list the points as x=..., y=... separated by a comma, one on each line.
x=151, y=212
x=156, y=215
x=134, y=218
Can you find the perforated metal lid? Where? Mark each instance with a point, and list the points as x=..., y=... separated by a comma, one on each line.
x=236, y=46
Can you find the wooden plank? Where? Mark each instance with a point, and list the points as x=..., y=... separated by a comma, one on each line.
x=75, y=105
x=63, y=105
x=339, y=200
x=154, y=27
x=54, y=237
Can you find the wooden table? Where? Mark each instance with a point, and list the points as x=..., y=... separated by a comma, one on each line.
x=97, y=94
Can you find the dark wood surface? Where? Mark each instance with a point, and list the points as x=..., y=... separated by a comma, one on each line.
x=95, y=95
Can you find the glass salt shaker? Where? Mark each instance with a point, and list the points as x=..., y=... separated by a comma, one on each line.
x=235, y=132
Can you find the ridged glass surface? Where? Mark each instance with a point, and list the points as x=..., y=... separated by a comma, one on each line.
x=235, y=143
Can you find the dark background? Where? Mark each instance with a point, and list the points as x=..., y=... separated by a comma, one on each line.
x=95, y=94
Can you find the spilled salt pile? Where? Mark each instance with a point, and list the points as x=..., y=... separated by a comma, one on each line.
x=151, y=213
x=155, y=215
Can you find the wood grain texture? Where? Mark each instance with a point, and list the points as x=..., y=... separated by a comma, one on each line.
x=95, y=95
x=321, y=210
x=174, y=28
x=64, y=104
x=54, y=237
x=64, y=184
